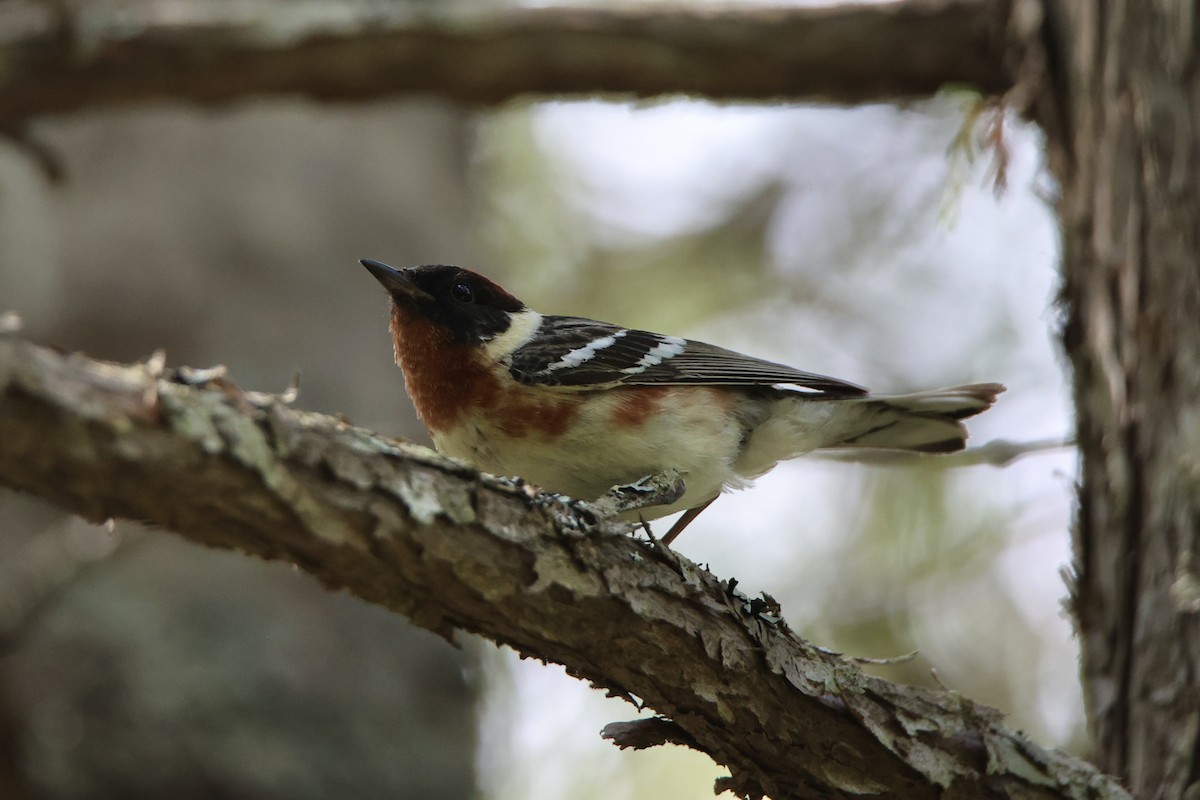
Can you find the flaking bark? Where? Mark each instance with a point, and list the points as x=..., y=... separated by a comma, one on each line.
x=451, y=549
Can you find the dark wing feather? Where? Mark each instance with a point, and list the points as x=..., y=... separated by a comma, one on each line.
x=579, y=353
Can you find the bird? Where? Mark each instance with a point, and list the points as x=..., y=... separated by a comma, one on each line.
x=577, y=406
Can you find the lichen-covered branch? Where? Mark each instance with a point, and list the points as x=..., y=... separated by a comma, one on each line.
x=453, y=550
x=58, y=58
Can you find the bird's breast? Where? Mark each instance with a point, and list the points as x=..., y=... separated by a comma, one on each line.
x=445, y=380
x=455, y=385
x=583, y=443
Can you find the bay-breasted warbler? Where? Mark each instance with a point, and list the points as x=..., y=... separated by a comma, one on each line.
x=578, y=406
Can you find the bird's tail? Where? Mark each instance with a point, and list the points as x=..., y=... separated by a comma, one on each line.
x=925, y=422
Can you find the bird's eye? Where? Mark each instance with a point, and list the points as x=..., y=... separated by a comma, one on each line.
x=462, y=293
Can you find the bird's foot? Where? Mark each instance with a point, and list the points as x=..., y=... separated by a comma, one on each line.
x=659, y=489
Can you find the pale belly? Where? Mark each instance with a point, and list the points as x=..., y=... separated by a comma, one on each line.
x=605, y=445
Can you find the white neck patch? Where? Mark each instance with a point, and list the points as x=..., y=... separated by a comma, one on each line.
x=522, y=326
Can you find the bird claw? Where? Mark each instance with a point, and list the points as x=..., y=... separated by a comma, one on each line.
x=658, y=489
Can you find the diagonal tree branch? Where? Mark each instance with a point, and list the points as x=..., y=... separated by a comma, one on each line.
x=452, y=549
x=86, y=58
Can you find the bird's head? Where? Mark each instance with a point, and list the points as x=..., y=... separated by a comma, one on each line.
x=463, y=306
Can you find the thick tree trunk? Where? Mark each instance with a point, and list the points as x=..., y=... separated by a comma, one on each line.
x=1129, y=98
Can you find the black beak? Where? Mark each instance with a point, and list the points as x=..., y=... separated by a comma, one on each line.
x=394, y=280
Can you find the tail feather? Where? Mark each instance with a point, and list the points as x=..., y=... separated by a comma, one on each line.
x=926, y=422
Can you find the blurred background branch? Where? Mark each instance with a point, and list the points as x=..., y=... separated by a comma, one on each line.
x=996, y=453
x=61, y=58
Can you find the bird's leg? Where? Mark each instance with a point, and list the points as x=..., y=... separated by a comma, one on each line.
x=659, y=489
x=684, y=521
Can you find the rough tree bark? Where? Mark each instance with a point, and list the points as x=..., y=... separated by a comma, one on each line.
x=1127, y=153
x=451, y=549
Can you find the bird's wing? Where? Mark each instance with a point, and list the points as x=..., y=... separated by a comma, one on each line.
x=576, y=353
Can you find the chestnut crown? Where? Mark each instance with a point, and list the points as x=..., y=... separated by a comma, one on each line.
x=466, y=305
